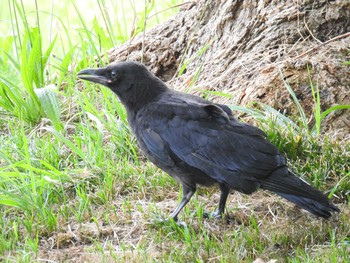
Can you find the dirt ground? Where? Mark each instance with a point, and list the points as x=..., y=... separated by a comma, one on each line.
x=77, y=242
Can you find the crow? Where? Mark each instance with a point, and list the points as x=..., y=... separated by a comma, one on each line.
x=199, y=142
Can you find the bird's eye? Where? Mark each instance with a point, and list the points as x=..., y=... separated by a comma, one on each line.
x=114, y=74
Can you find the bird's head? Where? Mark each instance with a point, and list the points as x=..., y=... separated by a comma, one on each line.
x=131, y=81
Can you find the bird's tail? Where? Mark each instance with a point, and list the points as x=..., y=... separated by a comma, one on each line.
x=294, y=189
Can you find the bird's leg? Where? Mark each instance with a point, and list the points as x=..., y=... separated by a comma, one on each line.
x=225, y=190
x=187, y=192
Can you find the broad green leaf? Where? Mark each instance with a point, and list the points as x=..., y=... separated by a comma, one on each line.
x=35, y=59
x=50, y=104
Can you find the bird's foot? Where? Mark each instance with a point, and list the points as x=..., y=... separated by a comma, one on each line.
x=181, y=224
x=170, y=222
x=215, y=215
x=175, y=220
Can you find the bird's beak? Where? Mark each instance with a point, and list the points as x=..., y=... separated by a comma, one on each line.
x=95, y=75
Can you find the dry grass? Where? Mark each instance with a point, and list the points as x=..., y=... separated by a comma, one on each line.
x=135, y=234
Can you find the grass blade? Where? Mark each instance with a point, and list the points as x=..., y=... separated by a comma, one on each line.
x=296, y=101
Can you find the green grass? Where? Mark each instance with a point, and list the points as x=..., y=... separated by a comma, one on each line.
x=75, y=187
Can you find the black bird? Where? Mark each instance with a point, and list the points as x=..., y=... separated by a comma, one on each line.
x=199, y=142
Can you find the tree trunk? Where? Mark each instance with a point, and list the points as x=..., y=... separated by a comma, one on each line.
x=249, y=48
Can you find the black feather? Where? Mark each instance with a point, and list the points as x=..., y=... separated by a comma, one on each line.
x=200, y=143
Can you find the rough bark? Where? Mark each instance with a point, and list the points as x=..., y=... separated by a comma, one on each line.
x=250, y=47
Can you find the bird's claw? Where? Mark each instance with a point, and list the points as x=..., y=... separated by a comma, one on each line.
x=177, y=222
x=181, y=224
x=215, y=215
x=170, y=221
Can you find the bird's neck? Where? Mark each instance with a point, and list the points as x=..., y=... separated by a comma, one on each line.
x=149, y=92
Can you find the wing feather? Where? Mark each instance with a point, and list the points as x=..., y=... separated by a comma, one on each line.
x=205, y=137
